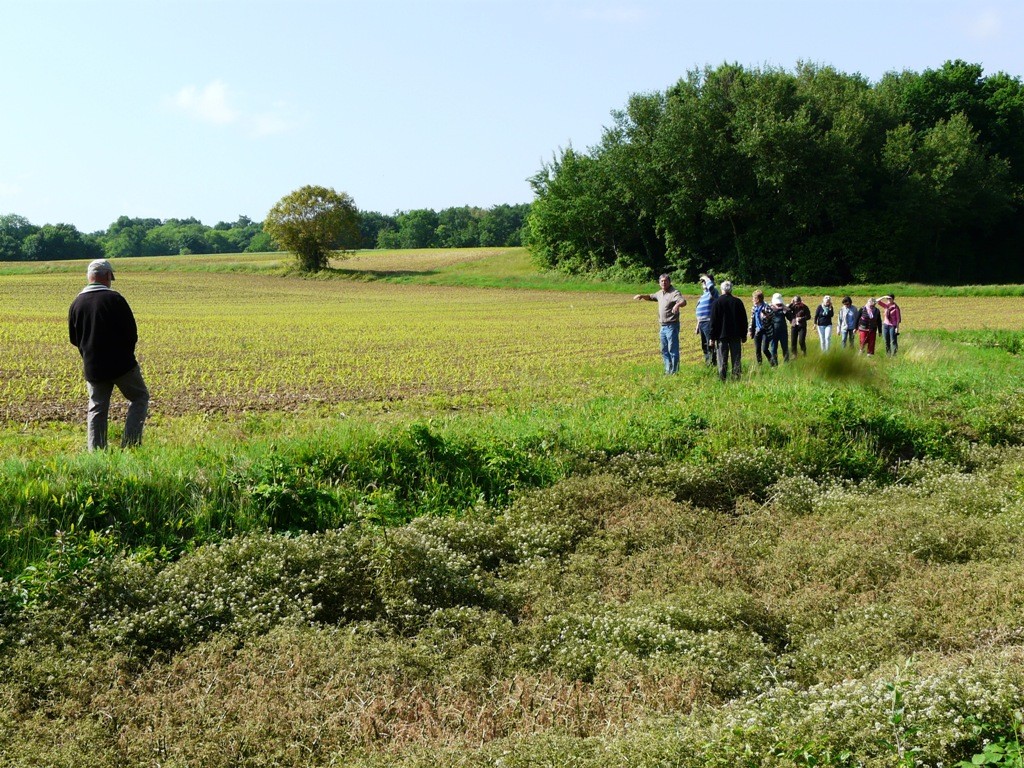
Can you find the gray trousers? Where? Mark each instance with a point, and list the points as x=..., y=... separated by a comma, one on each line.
x=729, y=348
x=133, y=387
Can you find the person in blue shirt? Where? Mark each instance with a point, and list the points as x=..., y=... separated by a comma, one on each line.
x=703, y=312
x=759, y=331
x=847, y=322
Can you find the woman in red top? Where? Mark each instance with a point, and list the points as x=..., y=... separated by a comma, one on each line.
x=891, y=318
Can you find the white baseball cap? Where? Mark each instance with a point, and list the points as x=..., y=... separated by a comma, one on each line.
x=100, y=267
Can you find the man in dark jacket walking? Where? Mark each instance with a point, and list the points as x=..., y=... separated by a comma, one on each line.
x=728, y=330
x=102, y=326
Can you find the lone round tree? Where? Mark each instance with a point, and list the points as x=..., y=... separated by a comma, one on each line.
x=313, y=222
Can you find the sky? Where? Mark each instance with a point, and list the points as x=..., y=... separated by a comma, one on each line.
x=215, y=109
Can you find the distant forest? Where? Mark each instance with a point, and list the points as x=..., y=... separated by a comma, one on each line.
x=462, y=227
x=800, y=177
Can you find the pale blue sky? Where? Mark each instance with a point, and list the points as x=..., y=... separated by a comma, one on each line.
x=176, y=108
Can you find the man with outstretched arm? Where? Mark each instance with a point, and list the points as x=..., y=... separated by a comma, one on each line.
x=670, y=301
x=101, y=325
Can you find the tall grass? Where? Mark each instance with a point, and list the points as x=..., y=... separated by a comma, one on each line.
x=853, y=420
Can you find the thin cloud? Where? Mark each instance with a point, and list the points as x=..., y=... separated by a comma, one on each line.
x=214, y=105
x=208, y=104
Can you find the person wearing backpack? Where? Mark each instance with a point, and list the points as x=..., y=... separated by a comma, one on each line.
x=775, y=318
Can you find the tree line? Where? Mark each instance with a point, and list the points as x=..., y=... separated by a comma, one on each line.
x=462, y=227
x=810, y=176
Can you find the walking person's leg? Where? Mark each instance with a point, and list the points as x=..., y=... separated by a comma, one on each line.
x=666, y=352
x=736, y=352
x=722, y=359
x=99, y=408
x=890, y=339
x=710, y=353
x=133, y=387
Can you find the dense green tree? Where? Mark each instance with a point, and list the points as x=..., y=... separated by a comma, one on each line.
x=313, y=222
x=371, y=224
x=418, y=228
x=60, y=241
x=126, y=236
x=389, y=239
x=945, y=191
x=565, y=225
x=501, y=225
x=459, y=227
x=810, y=176
x=261, y=242
x=219, y=241
x=13, y=231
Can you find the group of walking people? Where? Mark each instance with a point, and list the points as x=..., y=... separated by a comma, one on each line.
x=780, y=324
x=723, y=324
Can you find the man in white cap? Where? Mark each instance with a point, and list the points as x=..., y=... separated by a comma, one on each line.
x=776, y=318
x=102, y=326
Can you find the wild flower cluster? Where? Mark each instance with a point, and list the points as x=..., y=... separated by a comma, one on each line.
x=582, y=646
x=877, y=720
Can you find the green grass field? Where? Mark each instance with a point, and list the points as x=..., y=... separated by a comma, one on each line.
x=437, y=508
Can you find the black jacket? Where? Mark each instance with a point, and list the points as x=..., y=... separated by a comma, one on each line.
x=102, y=326
x=868, y=323
x=728, y=318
